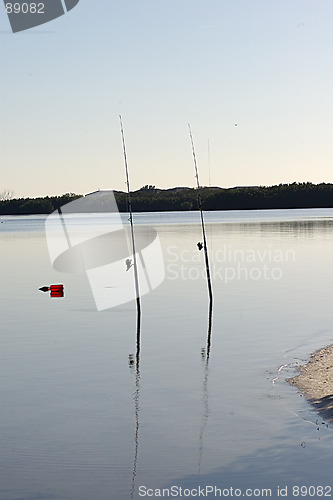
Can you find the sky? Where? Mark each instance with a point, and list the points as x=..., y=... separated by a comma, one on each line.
x=253, y=78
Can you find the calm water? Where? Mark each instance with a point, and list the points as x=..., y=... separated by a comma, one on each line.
x=80, y=422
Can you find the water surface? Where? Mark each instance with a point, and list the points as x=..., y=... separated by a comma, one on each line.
x=80, y=420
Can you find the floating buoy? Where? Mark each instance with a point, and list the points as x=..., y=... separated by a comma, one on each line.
x=55, y=290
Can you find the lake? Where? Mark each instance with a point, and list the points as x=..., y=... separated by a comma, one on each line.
x=88, y=412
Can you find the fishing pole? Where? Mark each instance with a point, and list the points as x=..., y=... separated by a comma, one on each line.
x=205, y=352
x=136, y=278
x=210, y=292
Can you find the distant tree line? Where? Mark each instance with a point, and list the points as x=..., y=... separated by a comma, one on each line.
x=25, y=206
x=151, y=199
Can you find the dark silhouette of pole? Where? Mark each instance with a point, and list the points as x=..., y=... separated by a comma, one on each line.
x=136, y=278
x=138, y=324
x=136, y=404
x=209, y=333
x=210, y=292
x=205, y=352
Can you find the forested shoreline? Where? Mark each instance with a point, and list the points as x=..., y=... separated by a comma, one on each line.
x=151, y=199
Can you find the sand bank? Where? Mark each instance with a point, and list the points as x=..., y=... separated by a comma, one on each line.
x=315, y=380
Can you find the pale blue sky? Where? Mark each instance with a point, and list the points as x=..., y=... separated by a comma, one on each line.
x=262, y=64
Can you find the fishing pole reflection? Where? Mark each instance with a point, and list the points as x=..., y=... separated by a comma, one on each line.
x=134, y=363
x=205, y=353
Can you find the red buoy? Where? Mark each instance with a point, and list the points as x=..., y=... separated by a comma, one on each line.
x=57, y=290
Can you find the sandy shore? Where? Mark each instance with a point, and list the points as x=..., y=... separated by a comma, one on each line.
x=315, y=381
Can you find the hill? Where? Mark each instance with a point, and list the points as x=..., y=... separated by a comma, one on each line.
x=152, y=199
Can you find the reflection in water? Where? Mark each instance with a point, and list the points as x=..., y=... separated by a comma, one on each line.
x=285, y=228
x=324, y=406
x=248, y=437
x=262, y=471
x=136, y=364
x=209, y=333
x=205, y=353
